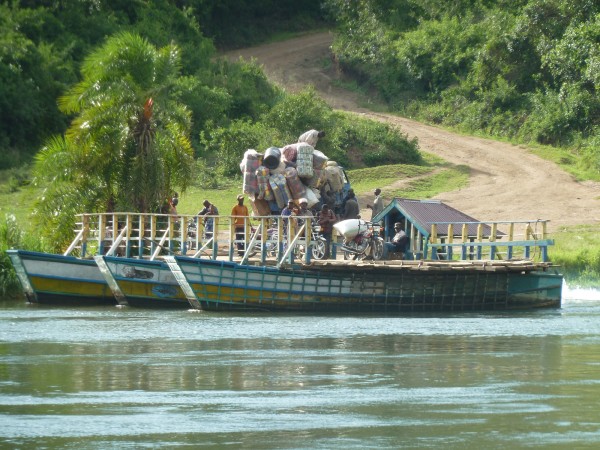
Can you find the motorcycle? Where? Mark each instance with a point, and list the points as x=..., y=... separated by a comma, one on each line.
x=271, y=242
x=319, y=244
x=192, y=231
x=366, y=244
x=191, y=235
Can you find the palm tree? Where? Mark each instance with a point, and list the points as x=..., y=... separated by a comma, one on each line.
x=128, y=145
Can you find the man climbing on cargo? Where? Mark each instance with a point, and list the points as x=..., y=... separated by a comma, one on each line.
x=311, y=137
x=239, y=215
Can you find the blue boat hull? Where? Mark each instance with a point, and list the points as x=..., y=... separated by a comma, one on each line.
x=341, y=288
x=56, y=279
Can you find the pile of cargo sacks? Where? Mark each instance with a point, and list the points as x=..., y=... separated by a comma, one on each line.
x=296, y=171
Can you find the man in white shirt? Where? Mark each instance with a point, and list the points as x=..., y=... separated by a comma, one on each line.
x=399, y=241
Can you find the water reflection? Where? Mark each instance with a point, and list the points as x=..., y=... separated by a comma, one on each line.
x=105, y=378
x=282, y=364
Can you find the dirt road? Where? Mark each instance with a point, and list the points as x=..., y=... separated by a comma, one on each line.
x=506, y=181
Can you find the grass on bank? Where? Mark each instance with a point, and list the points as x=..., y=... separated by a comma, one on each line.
x=577, y=251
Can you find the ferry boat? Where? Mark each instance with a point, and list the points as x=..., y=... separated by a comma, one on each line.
x=453, y=263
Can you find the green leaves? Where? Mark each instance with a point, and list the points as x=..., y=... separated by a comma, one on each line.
x=128, y=147
x=526, y=69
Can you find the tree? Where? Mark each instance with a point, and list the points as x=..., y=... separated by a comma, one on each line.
x=128, y=145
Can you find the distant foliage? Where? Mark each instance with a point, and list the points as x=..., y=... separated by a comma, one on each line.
x=240, y=23
x=224, y=147
x=375, y=143
x=32, y=75
x=11, y=236
x=527, y=70
x=42, y=46
x=297, y=113
x=250, y=92
x=350, y=141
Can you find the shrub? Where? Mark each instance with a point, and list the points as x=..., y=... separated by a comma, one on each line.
x=591, y=153
x=376, y=143
x=297, y=113
x=223, y=148
x=18, y=177
x=11, y=236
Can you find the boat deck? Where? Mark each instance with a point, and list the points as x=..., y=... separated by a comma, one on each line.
x=477, y=265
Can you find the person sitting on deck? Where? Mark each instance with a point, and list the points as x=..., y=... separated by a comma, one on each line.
x=399, y=241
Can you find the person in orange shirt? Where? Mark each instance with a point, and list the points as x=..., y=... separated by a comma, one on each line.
x=239, y=213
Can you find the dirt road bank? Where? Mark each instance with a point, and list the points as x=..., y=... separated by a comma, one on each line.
x=506, y=182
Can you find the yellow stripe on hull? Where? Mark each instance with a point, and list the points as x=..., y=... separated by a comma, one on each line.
x=151, y=290
x=257, y=297
x=70, y=287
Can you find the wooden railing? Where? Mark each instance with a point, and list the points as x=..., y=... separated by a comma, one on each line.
x=527, y=239
x=150, y=236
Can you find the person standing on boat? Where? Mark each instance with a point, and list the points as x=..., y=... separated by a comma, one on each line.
x=327, y=195
x=173, y=202
x=286, y=213
x=239, y=215
x=326, y=220
x=303, y=212
x=208, y=211
x=351, y=207
x=311, y=137
x=377, y=204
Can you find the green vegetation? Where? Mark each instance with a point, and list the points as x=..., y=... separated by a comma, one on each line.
x=43, y=44
x=128, y=146
x=577, y=250
x=524, y=70
x=11, y=236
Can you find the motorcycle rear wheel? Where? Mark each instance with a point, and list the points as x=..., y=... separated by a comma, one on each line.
x=349, y=254
x=354, y=253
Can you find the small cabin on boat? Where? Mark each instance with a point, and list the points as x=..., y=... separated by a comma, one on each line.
x=438, y=231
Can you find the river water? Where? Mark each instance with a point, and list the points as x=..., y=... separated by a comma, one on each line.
x=99, y=378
